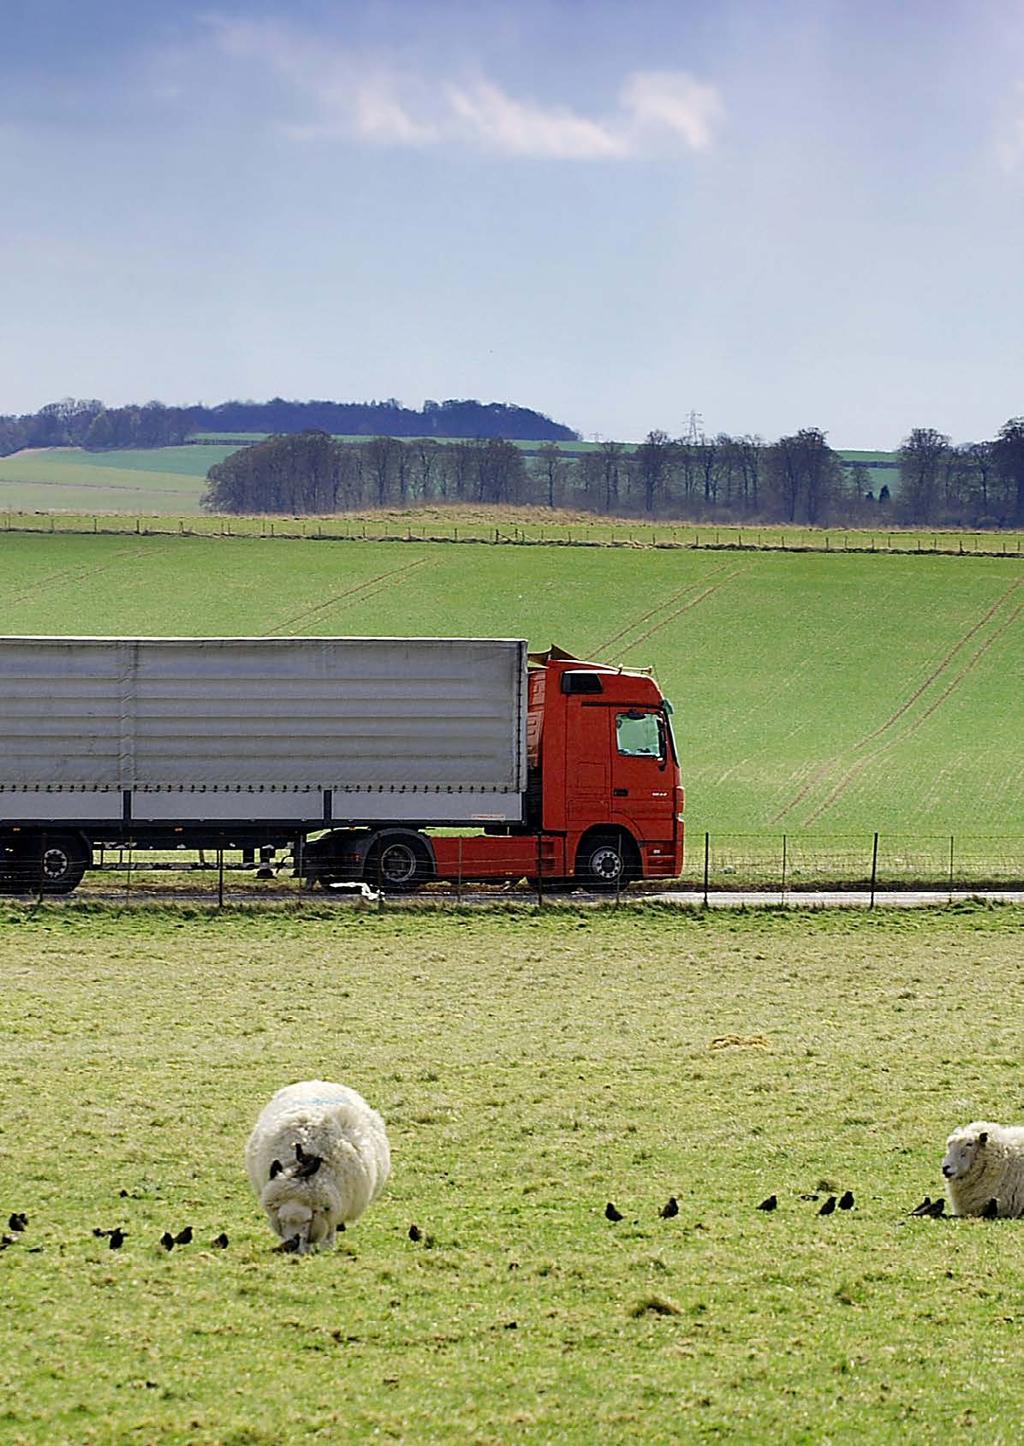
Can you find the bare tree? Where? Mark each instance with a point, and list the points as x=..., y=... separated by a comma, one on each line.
x=1008, y=452
x=552, y=471
x=380, y=461
x=652, y=460
x=611, y=472
x=922, y=459
x=805, y=475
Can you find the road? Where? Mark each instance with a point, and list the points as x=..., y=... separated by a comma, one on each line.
x=682, y=898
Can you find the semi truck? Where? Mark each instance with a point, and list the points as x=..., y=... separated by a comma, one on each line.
x=389, y=761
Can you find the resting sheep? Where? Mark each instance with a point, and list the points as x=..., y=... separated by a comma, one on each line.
x=317, y=1157
x=985, y=1162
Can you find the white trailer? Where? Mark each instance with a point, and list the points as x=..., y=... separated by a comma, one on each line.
x=244, y=742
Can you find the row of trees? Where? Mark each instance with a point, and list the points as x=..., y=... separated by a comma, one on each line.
x=980, y=484
x=798, y=478
x=89, y=424
x=314, y=473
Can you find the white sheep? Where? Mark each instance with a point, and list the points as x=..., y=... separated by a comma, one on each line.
x=317, y=1157
x=985, y=1163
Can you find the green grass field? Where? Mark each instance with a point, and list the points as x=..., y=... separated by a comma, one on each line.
x=835, y=694
x=530, y=1069
x=160, y=480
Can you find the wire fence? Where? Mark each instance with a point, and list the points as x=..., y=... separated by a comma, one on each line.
x=599, y=532
x=775, y=867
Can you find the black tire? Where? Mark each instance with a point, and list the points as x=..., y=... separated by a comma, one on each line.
x=399, y=864
x=54, y=864
x=603, y=864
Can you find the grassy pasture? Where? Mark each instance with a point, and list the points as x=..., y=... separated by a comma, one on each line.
x=160, y=480
x=830, y=694
x=717, y=1059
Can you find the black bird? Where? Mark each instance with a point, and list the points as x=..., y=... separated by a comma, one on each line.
x=184, y=1237
x=937, y=1208
x=291, y=1245
x=18, y=1221
x=829, y=1206
x=220, y=1242
x=117, y=1238
x=991, y=1210
x=415, y=1233
x=669, y=1210
x=99, y=1232
x=610, y=1212
x=846, y=1201
x=275, y=1169
x=306, y=1165
x=924, y=1208
x=6, y=1240
x=167, y=1240
x=771, y=1203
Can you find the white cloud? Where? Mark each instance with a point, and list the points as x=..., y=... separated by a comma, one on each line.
x=482, y=114
x=351, y=96
x=673, y=102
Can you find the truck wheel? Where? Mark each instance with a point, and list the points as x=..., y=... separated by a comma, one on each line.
x=602, y=863
x=399, y=864
x=56, y=864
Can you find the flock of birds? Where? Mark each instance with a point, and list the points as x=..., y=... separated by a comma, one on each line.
x=116, y=1237
x=671, y=1208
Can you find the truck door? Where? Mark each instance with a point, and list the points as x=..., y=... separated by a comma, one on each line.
x=642, y=780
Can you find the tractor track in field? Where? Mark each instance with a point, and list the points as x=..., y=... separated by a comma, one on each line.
x=651, y=612
x=360, y=591
x=74, y=574
x=942, y=667
x=688, y=606
x=858, y=768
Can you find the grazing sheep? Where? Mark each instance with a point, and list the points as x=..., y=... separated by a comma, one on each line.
x=317, y=1157
x=985, y=1162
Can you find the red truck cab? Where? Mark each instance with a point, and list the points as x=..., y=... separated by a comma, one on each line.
x=602, y=741
x=604, y=805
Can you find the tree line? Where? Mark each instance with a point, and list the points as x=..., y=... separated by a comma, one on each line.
x=798, y=478
x=89, y=424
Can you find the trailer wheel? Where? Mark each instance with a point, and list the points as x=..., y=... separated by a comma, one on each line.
x=54, y=863
x=399, y=864
x=603, y=863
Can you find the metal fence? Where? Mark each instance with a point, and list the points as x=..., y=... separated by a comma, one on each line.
x=776, y=867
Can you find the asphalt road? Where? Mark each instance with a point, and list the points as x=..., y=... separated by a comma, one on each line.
x=683, y=898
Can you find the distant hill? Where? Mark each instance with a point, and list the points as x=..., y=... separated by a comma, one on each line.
x=384, y=419
x=90, y=424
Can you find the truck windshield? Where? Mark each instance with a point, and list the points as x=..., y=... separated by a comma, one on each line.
x=640, y=735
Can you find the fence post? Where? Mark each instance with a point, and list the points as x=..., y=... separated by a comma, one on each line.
x=951, y=875
x=874, y=869
x=782, y=900
x=707, y=861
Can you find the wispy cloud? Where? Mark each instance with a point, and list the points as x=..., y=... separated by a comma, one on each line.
x=355, y=97
x=1009, y=141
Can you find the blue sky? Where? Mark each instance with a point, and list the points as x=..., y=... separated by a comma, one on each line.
x=774, y=214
